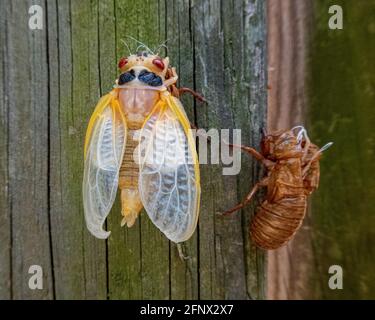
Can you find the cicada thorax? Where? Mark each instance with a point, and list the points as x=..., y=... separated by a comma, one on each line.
x=136, y=103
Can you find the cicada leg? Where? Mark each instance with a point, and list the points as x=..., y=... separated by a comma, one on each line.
x=262, y=183
x=195, y=94
x=315, y=157
x=171, y=79
x=180, y=249
x=257, y=155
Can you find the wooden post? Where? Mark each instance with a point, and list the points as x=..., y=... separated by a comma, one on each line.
x=25, y=109
x=289, y=29
x=51, y=81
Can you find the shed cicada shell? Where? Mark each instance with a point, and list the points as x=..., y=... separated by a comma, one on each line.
x=292, y=164
x=139, y=140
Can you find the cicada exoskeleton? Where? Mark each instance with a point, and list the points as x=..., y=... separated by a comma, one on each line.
x=292, y=164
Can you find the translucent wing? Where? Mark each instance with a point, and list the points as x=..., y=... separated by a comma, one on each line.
x=169, y=171
x=104, y=149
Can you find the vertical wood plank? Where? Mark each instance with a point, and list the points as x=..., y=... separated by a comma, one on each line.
x=155, y=246
x=94, y=249
x=223, y=260
x=28, y=150
x=255, y=88
x=5, y=218
x=289, y=25
x=184, y=274
x=208, y=45
x=107, y=74
x=124, y=244
x=139, y=262
x=79, y=258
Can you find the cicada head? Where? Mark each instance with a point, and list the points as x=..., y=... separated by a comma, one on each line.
x=142, y=77
x=148, y=68
x=282, y=145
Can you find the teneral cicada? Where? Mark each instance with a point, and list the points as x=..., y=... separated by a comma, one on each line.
x=139, y=139
x=292, y=164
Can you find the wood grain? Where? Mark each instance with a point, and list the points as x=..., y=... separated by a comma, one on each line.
x=27, y=151
x=230, y=74
x=51, y=80
x=184, y=275
x=289, y=25
x=5, y=209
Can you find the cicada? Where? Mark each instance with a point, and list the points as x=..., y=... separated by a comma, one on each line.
x=292, y=164
x=139, y=140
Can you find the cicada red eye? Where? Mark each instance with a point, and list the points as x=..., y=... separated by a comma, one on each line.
x=122, y=62
x=159, y=63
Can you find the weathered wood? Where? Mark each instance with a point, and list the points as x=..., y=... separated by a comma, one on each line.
x=51, y=81
x=183, y=274
x=230, y=71
x=255, y=76
x=79, y=259
x=5, y=214
x=26, y=91
x=124, y=251
x=146, y=259
x=289, y=28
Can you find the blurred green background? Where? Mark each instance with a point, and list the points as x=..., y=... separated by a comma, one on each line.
x=342, y=110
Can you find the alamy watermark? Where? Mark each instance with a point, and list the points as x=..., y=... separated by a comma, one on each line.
x=167, y=149
x=36, y=279
x=336, y=21
x=36, y=17
x=336, y=280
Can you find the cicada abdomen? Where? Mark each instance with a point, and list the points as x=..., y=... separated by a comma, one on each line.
x=292, y=163
x=136, y=103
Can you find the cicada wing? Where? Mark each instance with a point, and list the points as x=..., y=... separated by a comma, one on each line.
x=105, y=146
x=169, y=171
